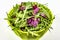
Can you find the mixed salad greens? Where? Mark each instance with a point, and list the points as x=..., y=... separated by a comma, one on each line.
x=30, y=20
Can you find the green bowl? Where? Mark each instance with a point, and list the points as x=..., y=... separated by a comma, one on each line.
x=29, y=35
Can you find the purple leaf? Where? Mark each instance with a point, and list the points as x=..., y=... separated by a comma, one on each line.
x=33, y=22
x=38, y=19
x=43, y=15
x=22, y=8
x=29, y=20
x=35, y=9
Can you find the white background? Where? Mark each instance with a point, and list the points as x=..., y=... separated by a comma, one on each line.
x=7, y=34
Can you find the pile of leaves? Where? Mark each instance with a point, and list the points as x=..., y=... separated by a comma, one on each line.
x=30, y=17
